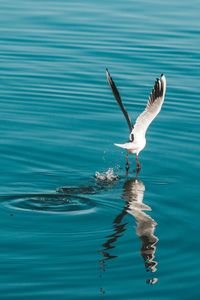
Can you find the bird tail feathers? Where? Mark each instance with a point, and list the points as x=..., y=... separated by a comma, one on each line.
x=126, y=146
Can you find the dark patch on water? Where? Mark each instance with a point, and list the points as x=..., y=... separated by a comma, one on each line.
x=48, y=203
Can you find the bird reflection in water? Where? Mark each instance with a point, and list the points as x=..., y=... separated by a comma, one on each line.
x=133, y=194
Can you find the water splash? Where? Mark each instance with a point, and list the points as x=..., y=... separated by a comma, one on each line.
x=66, y=200
x=107, y=176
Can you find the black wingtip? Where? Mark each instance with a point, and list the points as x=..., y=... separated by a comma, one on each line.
x=108, y=73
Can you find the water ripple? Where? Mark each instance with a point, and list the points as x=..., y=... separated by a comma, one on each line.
x=50, y=203
x=59, y=121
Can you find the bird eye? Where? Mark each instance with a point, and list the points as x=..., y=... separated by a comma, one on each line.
x=131, y=137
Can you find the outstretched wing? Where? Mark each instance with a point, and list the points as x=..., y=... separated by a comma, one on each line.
x=153, y=107
x=119, y=100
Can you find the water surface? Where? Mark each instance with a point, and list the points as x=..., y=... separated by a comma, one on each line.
x=64, y=233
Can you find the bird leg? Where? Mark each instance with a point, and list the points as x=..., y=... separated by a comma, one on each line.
x=138, y=165
x=127, y=165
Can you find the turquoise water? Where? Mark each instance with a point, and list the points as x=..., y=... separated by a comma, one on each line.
x=66, y=234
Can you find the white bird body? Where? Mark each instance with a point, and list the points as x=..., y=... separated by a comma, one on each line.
x=133, y=147
x=137, y=139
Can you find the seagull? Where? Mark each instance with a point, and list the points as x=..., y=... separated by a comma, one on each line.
x=137, y=140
